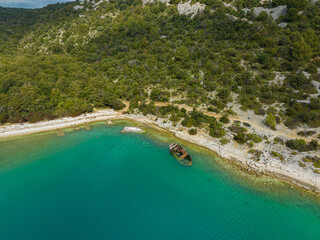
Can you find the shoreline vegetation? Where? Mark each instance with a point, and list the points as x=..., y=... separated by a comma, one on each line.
x=236, y=153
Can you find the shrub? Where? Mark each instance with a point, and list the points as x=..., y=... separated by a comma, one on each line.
x=297, y=80
x=224, y=141
x=236, y=128
x=240, y=138
x=272, y=110
x=276, y=154
x=314, y=159
x=117, y=105
x=174, y=118
x=254, y=137
x=224, y=119
x=212, y=109
x=260, y=111
x=278, y=140
x=270, y=121
x=158, y=95
x=256, y=154
x=147, y=109
x=193, y=131
x=306, y=133
x=133, y=105
x=302, y=164
x=316, y=163
x=217, y=131
x=311, y=68
x=301, y=145
x=187, y=122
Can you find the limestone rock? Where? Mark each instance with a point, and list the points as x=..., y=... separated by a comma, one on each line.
x=152, y=1
x=275, y=13
x=188, y=9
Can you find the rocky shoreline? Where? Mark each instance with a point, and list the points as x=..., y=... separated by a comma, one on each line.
x=287, y=170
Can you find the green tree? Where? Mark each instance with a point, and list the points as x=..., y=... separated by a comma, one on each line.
x=301, y=50
x=270, y=121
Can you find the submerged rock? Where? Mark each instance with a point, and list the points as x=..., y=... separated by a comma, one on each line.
x=109, y=122
x=61, y=134
x=132, y=129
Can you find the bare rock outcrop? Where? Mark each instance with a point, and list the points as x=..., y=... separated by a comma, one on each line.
x=92, y=2
x=275, y=13
x=152, y=1
x=188, y=9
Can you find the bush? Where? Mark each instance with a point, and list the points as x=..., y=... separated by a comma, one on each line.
x=224, y=141
x=217, y=131
x=260, y=111
x=278, y=140
x=174, y=118
x=147, y=109
x=224, y=119
x=301, y=145
x=297, y=80
x=272, y=110
x=254, y=137
x=117, y=105
x=306, y=133
x=256, y=154
x=276, y=154
x=212, y=109
x=311, y=68
x=270, y=121
x=193, y=131
x=158, y=95
x=240, y=138
x=187, y=122
x=236, y=128
x=314, y=159
x=302, y=164
x=133, y=105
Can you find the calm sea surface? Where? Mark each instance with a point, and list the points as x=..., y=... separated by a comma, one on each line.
x=102, y=184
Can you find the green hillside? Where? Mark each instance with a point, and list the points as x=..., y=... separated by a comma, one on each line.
x=64, y=61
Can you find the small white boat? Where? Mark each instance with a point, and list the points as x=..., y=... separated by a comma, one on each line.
x=133, y=129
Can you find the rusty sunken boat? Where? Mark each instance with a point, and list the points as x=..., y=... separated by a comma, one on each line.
x=180, y=154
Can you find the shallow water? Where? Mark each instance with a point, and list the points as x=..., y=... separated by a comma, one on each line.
x=102, y=184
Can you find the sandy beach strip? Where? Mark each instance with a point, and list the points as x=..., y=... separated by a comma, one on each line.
x=13, y=130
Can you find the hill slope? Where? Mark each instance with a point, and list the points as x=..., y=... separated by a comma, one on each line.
x=66, y=58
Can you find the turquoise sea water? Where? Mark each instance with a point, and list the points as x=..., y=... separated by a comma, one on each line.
x=102, y=184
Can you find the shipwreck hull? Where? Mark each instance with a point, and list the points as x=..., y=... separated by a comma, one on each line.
x=183, y=162
x=180, y=154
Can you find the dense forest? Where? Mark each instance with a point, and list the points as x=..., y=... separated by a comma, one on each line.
x=65, y=61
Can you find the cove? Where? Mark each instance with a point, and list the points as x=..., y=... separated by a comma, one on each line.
x=103, y=184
